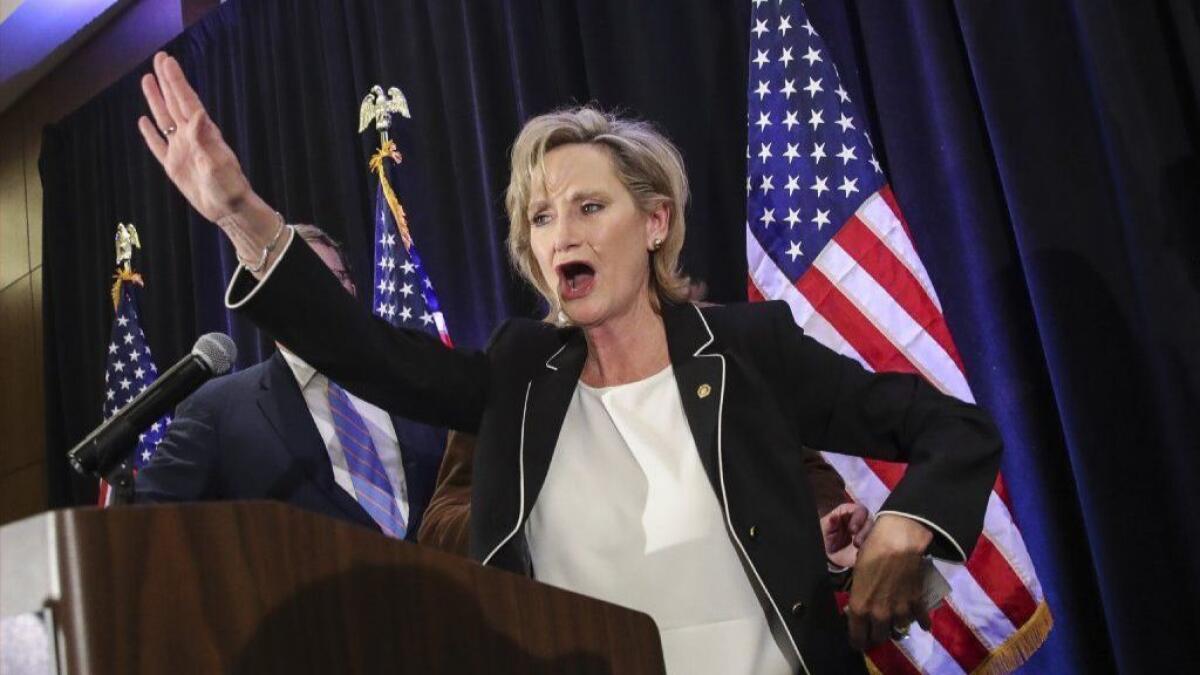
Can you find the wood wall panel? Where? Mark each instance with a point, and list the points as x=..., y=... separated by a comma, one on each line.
x=14, y=224
x=33, y=188
x=20, y=379
x=36, y=281
x=7, y=7
x=23, y=492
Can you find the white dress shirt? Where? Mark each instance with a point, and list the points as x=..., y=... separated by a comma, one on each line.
x=627, y=515
x=315, y=388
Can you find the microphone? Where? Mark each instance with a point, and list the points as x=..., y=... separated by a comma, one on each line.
x=107, y=446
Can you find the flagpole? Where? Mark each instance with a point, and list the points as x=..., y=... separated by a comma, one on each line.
x=129, y=370
x=116, y=488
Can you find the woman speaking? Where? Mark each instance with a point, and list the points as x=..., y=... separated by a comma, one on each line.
x=632, y=447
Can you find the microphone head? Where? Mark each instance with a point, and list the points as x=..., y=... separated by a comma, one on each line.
x=217, y=351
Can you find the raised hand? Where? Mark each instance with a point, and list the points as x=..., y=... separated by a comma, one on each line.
x=190, y=148
x=886, y=591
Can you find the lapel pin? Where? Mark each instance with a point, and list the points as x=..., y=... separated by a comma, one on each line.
x=703, y=391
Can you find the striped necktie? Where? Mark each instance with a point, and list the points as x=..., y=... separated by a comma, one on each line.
x=372, y=488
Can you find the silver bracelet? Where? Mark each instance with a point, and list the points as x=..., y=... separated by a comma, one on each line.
x=268, y=249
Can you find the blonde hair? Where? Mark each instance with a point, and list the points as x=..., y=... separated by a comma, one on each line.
x=647, y=164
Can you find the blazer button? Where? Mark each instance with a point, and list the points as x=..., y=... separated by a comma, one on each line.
x=798, y=609
x=703, y=390
x=753, y=532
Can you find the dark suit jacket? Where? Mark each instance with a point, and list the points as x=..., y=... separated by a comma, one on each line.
x=755, y=389
x=249, y=435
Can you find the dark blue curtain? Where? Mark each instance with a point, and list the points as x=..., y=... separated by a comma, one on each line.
x=1046, y=154
x=1048, y=160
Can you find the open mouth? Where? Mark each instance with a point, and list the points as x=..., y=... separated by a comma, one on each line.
x=575, y=280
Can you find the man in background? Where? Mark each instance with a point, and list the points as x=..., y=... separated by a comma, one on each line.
x=281, y=430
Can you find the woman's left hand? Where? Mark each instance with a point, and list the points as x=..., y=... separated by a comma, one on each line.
x=844, y=529
x=886, y=592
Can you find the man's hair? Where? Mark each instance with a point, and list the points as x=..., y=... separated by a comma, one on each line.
x=313, y=234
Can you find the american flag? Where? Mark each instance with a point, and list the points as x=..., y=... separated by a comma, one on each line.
x=403, y=294
x=129, y=370
x=825, y=234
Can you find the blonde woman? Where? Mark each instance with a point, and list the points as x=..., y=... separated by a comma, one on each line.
x=633, y=446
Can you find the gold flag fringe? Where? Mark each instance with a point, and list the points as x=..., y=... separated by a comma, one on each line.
x=1015, y=651
x=121, y=276
x=387, y=150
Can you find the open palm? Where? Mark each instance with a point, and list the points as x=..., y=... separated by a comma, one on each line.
x=189, y=145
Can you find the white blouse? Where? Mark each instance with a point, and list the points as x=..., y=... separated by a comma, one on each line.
x=627, y=515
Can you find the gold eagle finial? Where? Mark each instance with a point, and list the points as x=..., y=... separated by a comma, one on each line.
x=380, y=107
x=126, y=241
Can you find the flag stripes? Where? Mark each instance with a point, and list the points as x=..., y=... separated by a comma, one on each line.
x=824, y=233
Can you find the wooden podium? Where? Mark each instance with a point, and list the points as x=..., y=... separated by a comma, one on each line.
x=260, y=587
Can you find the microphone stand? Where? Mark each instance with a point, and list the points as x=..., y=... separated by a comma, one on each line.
x=120, y=478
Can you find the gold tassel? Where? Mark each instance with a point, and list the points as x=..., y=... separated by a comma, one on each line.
x=387, y=150
x=1015, y=651
x=121, y=276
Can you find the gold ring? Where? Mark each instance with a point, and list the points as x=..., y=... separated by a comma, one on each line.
x=168, y=131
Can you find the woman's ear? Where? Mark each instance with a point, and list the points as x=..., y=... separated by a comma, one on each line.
x=658, y=224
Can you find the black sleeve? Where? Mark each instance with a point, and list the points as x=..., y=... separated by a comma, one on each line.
x=406, y=372
x=951, y=447
x=184, y=467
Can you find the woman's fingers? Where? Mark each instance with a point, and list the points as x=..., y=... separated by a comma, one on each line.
x=192, y=129
x=166, y=85
x=154, y=141
x=858, y=518
x=902, y=617
x=859, y=630
x=186, y=98
x=881, y=631
x=154, y=99
x=867, y=631
x=182, y=95
x=869, y=628
x=924, y=620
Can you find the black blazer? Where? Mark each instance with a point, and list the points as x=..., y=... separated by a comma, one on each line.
x=249, y=435
x=754, y=387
